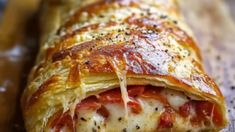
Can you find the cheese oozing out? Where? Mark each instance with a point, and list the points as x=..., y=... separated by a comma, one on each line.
x=149, y=109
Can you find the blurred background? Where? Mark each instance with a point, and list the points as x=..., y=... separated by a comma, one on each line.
x=19, y=37
x=18, y=48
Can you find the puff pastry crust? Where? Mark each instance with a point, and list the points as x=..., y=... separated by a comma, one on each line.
x=94, y=46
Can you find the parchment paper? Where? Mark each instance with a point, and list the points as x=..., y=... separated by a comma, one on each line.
x=214, y=29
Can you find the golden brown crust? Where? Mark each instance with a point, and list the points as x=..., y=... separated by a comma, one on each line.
x=150, y=46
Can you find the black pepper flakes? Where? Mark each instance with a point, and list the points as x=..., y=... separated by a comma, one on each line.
x=75, y=116
x=102, y=16
x=175, y=22
x=126, y=33
x=87, y=62
x=218, y=58
x=148, y=12
x=120, y=118
x=124, y=130
x=163, y=16
x=232, y=87
x=137, y=127
x=95, y=123
x=231, y=101
x=98, y=127
x=83, y=119
x=94, y=130
x=156, y=109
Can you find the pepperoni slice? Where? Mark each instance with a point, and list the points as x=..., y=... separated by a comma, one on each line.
x=111, y=96
x=155, y=93
x=167, y=119
x=184, y=110
x=205, y=110
x=103, y=111
x=89, y=103
x=134, y=91
x=63, y=120
x=135, y=106
x=114, y=96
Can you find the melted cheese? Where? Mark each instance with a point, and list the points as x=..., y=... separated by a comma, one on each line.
x=121, y=74
x=124, y=92
x=89, y=121
x=175, y=99
x=145, y=121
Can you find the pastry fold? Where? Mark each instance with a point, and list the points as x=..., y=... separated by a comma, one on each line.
x=119, y=65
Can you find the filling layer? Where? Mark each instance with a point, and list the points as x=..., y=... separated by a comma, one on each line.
x=149, y=109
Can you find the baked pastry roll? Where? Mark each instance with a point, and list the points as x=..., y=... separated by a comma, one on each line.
x=119, y=66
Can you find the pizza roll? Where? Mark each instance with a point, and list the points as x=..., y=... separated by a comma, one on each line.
x=119, y=66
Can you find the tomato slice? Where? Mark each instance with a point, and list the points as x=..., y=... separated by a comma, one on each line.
x=166, y=119
x=89, y=103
